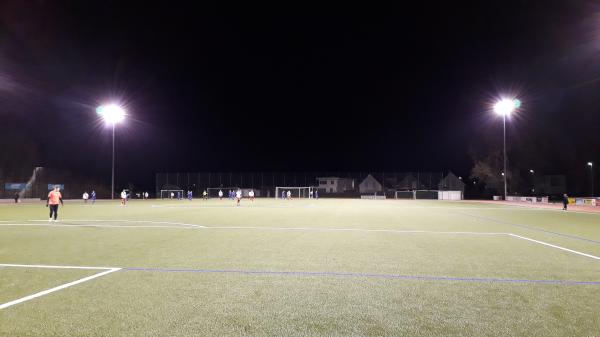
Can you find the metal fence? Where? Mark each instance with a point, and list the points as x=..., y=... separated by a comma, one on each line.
x=37, y=184
x=266, y=181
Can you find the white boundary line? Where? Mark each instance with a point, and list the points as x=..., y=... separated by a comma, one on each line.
x=554, y=246
x=326, y=229
x=53, y=267
x=97, y=226
x=111, y=220
x=189, y=226
x=60, y=287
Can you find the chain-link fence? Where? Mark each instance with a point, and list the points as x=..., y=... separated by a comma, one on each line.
x=37, y=183
x=267, y=181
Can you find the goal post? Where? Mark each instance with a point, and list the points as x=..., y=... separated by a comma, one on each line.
x=429, y=194
x=295, y=192
x=166, y=194
x=404, y=195
x=213, y=192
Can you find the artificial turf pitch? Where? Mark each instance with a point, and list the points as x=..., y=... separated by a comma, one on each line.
x=300, y=268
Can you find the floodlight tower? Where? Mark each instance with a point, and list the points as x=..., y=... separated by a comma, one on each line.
x=505, y=107
x=591, y=165
x=112, y=114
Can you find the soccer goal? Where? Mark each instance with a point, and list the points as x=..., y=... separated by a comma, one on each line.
x=171, y=194
x=296, y=192
x=404, y=195
x=213, y=192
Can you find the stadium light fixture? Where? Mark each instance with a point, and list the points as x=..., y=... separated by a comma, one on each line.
x=112, y=114
x=531, y=171
x=505, y=107
x=591, y=165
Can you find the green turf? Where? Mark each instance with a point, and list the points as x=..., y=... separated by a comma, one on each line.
x=287, y=272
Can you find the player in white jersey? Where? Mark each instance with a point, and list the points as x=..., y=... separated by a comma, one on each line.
x=238, y=196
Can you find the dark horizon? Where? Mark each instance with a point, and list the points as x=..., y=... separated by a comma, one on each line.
x=402, y=88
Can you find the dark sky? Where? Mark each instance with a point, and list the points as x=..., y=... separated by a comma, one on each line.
x=404, y=87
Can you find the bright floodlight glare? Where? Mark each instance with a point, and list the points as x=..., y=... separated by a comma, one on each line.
x=111, y=113
x=506, y=106
x=531, y=171
x=590, y=163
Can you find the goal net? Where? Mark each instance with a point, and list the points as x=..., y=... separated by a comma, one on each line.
x=213, y=192
x=172, y=194
x=404, y=195
x=295, y=192
x=427, y=194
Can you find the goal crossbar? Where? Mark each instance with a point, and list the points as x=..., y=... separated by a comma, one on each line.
x=295, y=191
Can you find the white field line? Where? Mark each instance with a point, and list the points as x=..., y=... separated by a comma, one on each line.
x=53, y=267
x=307, y=229
x=321, y=229
x=60, y=287
x=555, y=246
x=93, y=226
x=132, y=221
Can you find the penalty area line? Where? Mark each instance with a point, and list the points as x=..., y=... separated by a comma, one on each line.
x=555, y=246
x=60, y=287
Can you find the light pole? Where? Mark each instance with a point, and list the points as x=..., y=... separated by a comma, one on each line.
x=505, y=107
x=112, y=114
x=591, y=165
x=532, y=181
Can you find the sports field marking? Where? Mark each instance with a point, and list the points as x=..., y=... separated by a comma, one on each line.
x=529, y=227
x=190, y=226
x=111, y=220
x=94, y=226
x=555, y=246
x=330, y=229
x=362, y=275
x=107, y=270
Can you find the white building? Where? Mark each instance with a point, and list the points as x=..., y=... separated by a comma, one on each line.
x=335, y=184
x=370, y=185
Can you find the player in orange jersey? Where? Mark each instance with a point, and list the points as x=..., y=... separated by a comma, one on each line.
x=54, y=198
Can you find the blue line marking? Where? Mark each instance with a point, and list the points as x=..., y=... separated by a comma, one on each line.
x=362, y=275
x=531, y=228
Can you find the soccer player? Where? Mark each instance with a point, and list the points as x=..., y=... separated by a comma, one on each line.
x=54, y=198
x=565, y=201
x=220, y=195
x=93, y=196
x=289, y=195
x=172, y=195
x=123, y=198
x=85, y=197
x=251, y=195
x=282, y=194
x=189, y=195
x=146, y=195
x=238, y=196
x=205, y=195
x=316, y=194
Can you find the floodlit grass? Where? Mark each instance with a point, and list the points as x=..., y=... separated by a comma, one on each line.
x=301, y=268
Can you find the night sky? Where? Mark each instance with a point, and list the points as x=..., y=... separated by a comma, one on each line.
x=405, y=87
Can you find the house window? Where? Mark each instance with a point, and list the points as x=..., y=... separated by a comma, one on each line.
x=332, y=182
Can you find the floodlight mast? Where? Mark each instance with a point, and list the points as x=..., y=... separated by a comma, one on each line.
x=112, y=114
x=591, y=165
x=505, y=107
